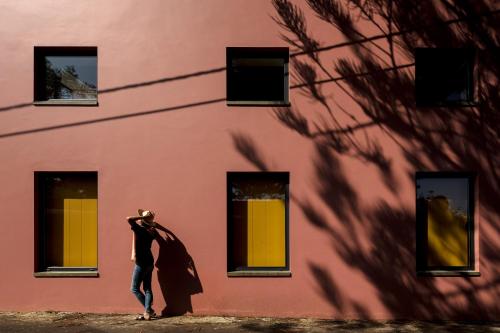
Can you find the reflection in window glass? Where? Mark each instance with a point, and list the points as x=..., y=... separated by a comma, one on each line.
x=67, y=218
x=70, y=77
x=246, y=189
x=65, y=73
x=443, y=208
x=257, y=220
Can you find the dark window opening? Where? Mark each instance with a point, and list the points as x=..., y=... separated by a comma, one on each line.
x=444, y=76
x=257, y=221
x=445, y=221
x=257, y=76
x=65, y=221
x=65, y=74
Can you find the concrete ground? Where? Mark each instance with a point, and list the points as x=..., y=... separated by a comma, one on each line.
x=64, y=322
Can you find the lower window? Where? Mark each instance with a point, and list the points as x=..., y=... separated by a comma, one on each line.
x=258, y=221
x=445, y=221
x=66, y=221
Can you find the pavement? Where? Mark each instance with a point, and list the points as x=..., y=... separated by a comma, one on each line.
x=70, y=322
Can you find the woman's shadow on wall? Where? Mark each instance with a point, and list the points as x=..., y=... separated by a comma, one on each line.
x=177, y=275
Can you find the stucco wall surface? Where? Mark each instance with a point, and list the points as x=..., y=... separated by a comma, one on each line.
x=168, y=146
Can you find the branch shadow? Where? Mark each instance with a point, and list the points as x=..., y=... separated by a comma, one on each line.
x=458, y=138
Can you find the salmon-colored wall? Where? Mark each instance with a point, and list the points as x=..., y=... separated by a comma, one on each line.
x=352, y=225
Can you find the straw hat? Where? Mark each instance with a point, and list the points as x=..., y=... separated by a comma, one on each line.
x=145, y=214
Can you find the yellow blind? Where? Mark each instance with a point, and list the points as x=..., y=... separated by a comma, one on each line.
x=446, y=235
x=80, y=233
x=266, y=233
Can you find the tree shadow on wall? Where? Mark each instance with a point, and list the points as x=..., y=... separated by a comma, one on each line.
x=177, y=275
x=381, y=84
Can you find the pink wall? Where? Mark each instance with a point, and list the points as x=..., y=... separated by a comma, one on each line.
x=352, y=225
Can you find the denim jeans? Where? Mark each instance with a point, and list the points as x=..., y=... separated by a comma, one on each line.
x=143, y=275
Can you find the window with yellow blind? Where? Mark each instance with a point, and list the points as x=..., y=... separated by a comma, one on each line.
x=258, y=222
x=66, y=221
x=445, y=222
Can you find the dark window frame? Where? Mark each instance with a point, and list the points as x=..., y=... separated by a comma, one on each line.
x=421, y=228
x=41, y=269
x=254, y=271
x=257, y=52
x=39, y=54
x=472, y=80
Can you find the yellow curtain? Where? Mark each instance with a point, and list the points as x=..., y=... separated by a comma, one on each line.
x=80, y=233
x=447, y=235
x=266, y=233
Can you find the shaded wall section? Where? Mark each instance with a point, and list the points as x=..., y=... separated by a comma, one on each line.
x=162, y=138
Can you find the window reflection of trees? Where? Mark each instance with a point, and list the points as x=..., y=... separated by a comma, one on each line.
x=447, y=231
x=245, y=190
x=64, y=83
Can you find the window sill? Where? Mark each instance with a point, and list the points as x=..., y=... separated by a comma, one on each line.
x=448, y=273
x=58, y=102
x=259, y=273
x=258, y=103
x=67, y=274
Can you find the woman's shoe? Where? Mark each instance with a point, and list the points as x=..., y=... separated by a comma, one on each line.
x=150, y=314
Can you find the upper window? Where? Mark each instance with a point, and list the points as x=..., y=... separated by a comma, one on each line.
x=444, y=76
x=66, y=75
x=257, y=222
x=66, y=221
x=257, y=76
x=445, y=221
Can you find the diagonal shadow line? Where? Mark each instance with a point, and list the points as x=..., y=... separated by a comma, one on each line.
x=216, y=70
x=179, y=107
x=15, y=106
x=135, y=85
x=345, y=77
x=299, y=53
x=93, y=121
x=163, y=80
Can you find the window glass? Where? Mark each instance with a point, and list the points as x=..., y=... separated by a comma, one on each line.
x=65, y=74
x=258, y=220
x=444, y=214
x=71, y=77
x=67, y=219
x=257, y=75
x=444, y=76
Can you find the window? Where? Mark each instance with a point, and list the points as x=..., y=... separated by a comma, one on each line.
x=66, y=75
x=258, y=223
x=444, y=76
x=257, y=76
x=445, y=221
x=66, y=221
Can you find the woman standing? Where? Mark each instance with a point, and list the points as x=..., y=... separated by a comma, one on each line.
x=144, y=233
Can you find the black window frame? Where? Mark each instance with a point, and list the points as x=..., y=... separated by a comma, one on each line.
x=281, y=53
x=249, y=271
x=40, y=52
x=421, y=228
x=41, y=269
x=422, y=56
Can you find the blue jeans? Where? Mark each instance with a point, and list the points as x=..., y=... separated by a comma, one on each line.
x=143, y=275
